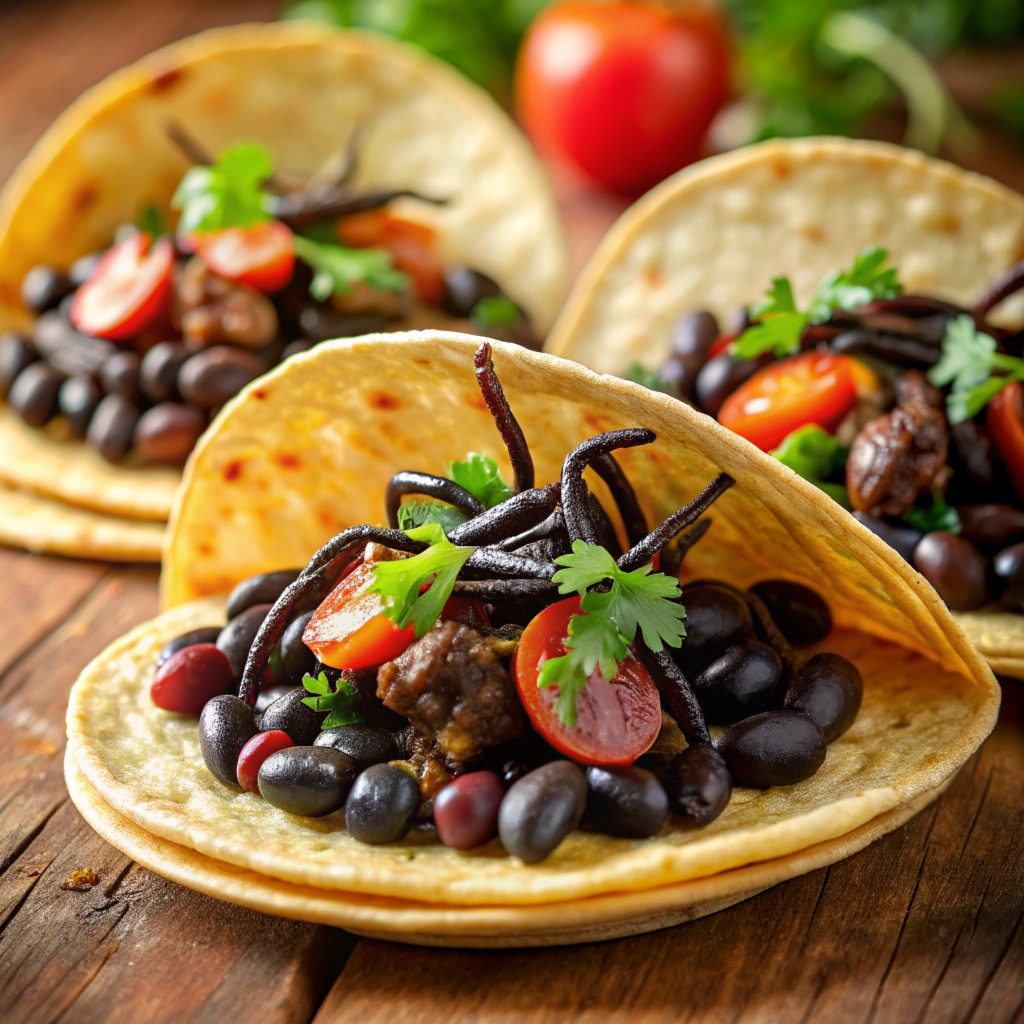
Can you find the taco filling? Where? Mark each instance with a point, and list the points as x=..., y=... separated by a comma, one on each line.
x=135, y=347
x=495, y=662
x=906, y=409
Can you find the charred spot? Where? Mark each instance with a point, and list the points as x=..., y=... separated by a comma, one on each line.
x=598, y=424
x=166, y=81
x=288, y=460
x=425, y=363
x=205, y=548
x=654, y=277
x=259, y=393
x=384, y=400
x=233, y=470
x=8, y=294
x=782, y=168
x=813, y=234
x=84, y=197
x=950, y=224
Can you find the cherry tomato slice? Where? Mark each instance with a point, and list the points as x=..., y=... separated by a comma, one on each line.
x=128, y=289
x=815, y=387
x=615, y=721
x=1005, y=421
x=261, y=256
x=413, y=248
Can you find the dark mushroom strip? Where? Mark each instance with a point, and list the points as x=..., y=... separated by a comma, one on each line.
x=579, y=520
x=546, y=528
x=300, y=209
x=633, y=517
x=913, y=305
x=640, y=554
x=892, y=347
x=674, y=552
x=1008, y=282
x=677, y=693
x=503, y=590
x=518, y=513
x=504, y=419
x=408, y=481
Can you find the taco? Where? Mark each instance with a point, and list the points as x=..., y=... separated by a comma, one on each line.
x=226, y=202
x=499, y=719
x=852, y=308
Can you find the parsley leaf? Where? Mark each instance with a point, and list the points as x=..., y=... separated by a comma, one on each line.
x=934, y=514
x=228, y=194
x=494, y=311
x=777, y=332
x=151, y=221
x=868, y=279
x=639, y=374
x=399, y=582
x=815, y=455
x=480, y=475
x=418, y=513
x=779, y=299
x=337, y=268
x=342, y=702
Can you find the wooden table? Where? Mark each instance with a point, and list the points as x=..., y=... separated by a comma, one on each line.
x=925, y=925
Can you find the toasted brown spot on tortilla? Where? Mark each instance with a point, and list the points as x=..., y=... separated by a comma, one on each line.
x=422, y=362
x=260, y=393
x=288, y=460
x=597, y=424
x=654, y=277
x=782, y=168
x=167, y=80
x=233, y=470
x=204, y=548
x=950, y=224
x=384, y=400
x=476, y=402
x=813, y=234
x=84, y=197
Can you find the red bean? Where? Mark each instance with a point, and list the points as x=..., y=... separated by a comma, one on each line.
x=466, y=810
x=255, y=752
x=191, y=677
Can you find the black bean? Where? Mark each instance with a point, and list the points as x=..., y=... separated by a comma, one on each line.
x=382, y=804
x=267, y=696
x=715, y=618
x=1008, y=575
x=33, y=396
x=290, y=715
x=801, y=614
x=365, y=744
x=73, y=353
x=205, y=635
x=955, y=568
x=465, y=288
x=158, y=371
x=81, y=270
x=737, y=683
x=902, y=539
x=699, y=784
x=693, y=334
x=16, y=352
x=719, y=378
x=77, y=401
x=322, y=323
x=829, y=689
x=775, y=748
x=512, y=772
x=541, y=809
x=216, y=374
x=168, y=432
x=112, y=427
x=991, y=527
x=119, y=375
x=296, y=658
x=311, y=781
x=626, y=801
x=263, y=588
x=236, y=638
x=225, y=726
x=43, y=287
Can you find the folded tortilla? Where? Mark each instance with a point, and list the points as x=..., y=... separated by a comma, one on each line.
x=308, y=450
x=714, y=236
x=300, y=90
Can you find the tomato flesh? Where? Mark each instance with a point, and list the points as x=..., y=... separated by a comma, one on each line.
x=128, y=290
x=616, y=721
x=261, y=256
x=815, y=387
x=1005, y=420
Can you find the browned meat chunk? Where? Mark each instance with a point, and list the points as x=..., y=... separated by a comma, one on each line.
x=432, y=768
x=898, y=455
x=451, y=686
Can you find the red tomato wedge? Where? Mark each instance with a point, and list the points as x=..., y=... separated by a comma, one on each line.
x=615, y=721
x=413, y=248
x=1005, y=421
x=261, y=256
x=128, y=290
x=815, y=387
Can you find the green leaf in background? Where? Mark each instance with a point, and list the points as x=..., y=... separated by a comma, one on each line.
x=639, y=374
x=816, y=455
x=151, y=221
x=933, y=513
x=419, y=513
x=480, y=475
x=337, y=268
x=228, y=194
x=868, y=279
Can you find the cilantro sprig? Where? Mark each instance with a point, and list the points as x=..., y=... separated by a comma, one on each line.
x=342, y=702
x=817, y=456
x=933, y=513
x=399, y=582
x=780, y=322
x=418, y=513
x=600, y=637
x=337, y=268
x=639, y=374
x=481, y=476
x=228, y=194
x=494, y=311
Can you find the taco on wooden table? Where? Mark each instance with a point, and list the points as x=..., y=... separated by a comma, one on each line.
x=464, y=644
x=852, y=308
x=204, y=214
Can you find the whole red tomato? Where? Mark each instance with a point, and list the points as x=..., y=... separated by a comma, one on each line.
x=626, y=92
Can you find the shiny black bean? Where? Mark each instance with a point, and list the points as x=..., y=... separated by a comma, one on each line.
x=216, y=374
x=311, y=781
x=158, y=371
x=541, y=809
x=902, y=539
x=322, y=323
x=269, y=694
x=296, y=658
x=16, y=352
x=363, y=743
x=955, y=568
x=43, y=287
x=465, y=288
x=801, y=613
x=829, y=689
x=775, y=748
x=119, y=375
x=737, y=683
x=719, y=378
x=112, y=427
x=512, y=772
x=382, y=804
x=77, y=401
x=693, y=334
x=168, y=432
x=236, y=638
x=225, y=726
x=289, y=714
x=715, y=618
x=992, y=526
x=82, y=268
x=205, y=635
x=33, y=395
x=73, y=353
x=699, y=784
x=264, y=588
x=1008, y=575
x=626, y=801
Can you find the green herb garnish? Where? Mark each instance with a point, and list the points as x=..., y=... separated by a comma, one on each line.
x=480, y=475
x=494, y=311
x=151, y=221
x=934, y=514
x=419, y=513
x=337, y=268
x=342, y=702
x=228, y=194
x=816, y=455
x=639, y=374
x=399, y=582
x=601, y=636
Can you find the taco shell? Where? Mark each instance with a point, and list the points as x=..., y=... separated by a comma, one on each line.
x=307, y=451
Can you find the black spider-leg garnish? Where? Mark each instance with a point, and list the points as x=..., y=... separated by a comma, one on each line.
x=642, y=553
x=770, y=633
x=676, y=692
x=633, y=517
x=503, y=590
x=673, y=553
x=300, y=209
x=515, y=514
x=548, y=527
x=890, y=347
x=485, y=563
x=1009, y=281
x=408, y=481
x=575, y=493
x=504, y=419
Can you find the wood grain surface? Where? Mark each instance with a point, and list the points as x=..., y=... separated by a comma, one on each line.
x=925, y=925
